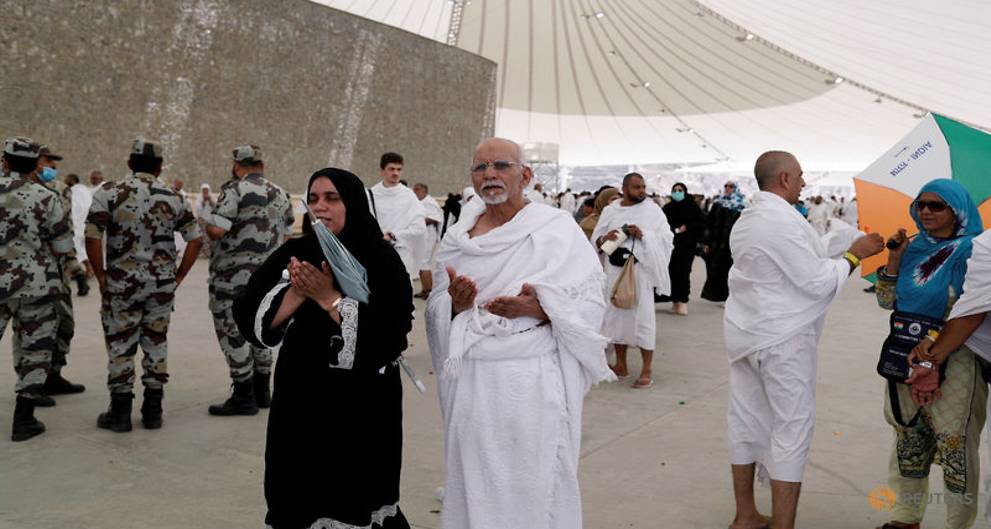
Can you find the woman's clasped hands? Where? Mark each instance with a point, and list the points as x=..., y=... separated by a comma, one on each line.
x=316, y=284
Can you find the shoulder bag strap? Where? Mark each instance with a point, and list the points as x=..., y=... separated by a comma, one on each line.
x=371, y=198
x=896, y=408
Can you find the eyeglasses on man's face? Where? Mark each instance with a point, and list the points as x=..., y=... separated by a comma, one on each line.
x=499, y=165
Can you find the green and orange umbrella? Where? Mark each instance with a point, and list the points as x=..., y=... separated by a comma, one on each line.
x=938, y=147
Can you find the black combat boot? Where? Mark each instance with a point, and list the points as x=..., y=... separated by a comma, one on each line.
x=151, y=408
x=25, y=425
x=118, y=417
x=242, y=402
x=82, y=285
x=56, y=384
x=263, y=396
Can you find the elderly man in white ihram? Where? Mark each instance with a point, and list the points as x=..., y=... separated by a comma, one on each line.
x=782, y=283
x=512, y=326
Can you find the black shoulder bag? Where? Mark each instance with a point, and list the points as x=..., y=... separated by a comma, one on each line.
x=621, y=254
x=906, y=331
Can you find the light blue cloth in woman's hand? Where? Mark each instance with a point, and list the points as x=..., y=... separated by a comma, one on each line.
x=350, y=274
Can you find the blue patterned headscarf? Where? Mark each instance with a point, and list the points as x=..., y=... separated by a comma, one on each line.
x=734, y=201
x=931, y=266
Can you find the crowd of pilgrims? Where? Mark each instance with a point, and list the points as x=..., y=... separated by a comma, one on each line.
x=701, y=225
x=703, y=222
x=937, y=420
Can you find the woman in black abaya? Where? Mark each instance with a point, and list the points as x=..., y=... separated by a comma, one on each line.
x=685, y=219
x=725, y=211
x=334, y=443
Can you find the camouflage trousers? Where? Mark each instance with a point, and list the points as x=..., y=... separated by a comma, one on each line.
x=66, y=321
x=66, y=324
x=65, y=329
x=33, y=322
x=243, y=357
x=139, y=318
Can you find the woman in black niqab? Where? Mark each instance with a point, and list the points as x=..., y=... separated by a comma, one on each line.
x=334, y=442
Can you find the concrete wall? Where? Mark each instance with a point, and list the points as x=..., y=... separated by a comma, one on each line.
x=313, y=86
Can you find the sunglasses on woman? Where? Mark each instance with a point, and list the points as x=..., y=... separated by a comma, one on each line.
x=934, y=206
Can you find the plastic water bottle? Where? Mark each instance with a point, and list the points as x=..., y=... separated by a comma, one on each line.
x=609, y=247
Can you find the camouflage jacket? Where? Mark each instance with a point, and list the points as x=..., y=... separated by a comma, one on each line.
x=257, y=215
x=139, y=215
x=57, y=273
x=34, y=226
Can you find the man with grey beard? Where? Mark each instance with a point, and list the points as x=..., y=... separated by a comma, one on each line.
x=513, y=322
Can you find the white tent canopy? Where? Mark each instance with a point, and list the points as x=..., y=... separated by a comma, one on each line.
x=679, y=81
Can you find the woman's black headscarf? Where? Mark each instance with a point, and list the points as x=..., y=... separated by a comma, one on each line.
x=684, y=212
x=361, y=234
x=686, y=207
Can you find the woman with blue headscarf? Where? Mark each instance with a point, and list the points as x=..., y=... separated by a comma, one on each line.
x=716, y=251
x=922, y=280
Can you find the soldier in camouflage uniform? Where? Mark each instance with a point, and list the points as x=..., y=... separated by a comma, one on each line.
x=251, y=219
x=33, y=229
x=139, y=216
x=63, y=269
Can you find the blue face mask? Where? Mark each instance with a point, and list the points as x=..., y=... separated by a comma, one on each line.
x=48, y=174
x=677, y=196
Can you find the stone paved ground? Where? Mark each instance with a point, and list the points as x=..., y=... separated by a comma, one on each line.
x=651, y=459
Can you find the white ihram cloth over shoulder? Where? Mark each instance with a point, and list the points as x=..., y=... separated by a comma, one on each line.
x=431, y=236
x=976, y=297
x=568, y=203
x=819, y=216
x=637, y=326
x=782, y=281
x=81, y=198
x=399, y=211
x=511, y=390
